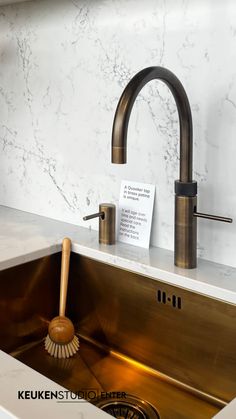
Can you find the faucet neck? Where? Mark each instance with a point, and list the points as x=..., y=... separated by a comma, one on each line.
x=124, y=108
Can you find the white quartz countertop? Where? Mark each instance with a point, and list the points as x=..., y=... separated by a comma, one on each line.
x=229, y=412
x=25, y=237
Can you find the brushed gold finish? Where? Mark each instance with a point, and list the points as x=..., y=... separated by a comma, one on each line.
x=185, y=222
x=213, y=217
x=119, y=155
x=155, y=373
x=29, y=295
x=124, y=108
x=193, y=344
x=185, y=231
x=91, y=216
x=175, y=353
x=128, y=407
x=98, y=369
x=107, y=223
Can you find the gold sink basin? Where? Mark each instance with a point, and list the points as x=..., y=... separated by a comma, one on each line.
x=140, y=339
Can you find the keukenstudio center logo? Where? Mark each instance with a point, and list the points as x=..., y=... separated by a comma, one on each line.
x=66, y=396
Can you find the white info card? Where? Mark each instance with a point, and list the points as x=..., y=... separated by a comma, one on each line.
x=135, y=213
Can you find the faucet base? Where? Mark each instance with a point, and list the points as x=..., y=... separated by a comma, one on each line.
x=185, y=232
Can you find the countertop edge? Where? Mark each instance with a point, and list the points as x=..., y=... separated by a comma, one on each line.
x=25, y=237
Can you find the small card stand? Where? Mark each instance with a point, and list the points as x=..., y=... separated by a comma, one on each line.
x=135, y=213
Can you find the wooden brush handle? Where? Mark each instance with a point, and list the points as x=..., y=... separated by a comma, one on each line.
x=65, y=264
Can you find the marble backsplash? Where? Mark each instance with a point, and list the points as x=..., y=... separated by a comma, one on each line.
x=63, y=66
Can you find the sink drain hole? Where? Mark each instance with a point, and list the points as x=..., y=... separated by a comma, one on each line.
x=130, y=407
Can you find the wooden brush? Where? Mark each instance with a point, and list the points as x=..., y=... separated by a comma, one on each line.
x=61, y=341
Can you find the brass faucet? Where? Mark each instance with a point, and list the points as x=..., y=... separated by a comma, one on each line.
x=185, y=247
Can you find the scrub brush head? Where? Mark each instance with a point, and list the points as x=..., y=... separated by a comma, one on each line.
x=61, y=341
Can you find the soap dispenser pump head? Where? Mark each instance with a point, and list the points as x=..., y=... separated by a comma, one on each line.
x=107, y=223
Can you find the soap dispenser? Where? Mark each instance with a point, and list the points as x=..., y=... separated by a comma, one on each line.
x=107, y=223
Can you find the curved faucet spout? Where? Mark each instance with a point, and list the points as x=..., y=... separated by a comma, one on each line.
x=124, y=108
x=185, y=242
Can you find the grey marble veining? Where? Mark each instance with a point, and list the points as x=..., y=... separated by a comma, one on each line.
x=63, y=67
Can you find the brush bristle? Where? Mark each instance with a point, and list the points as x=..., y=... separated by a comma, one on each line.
x=61, y=351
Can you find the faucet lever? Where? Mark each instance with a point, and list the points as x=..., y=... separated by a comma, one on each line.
x=97, y=214
x=212, y=217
